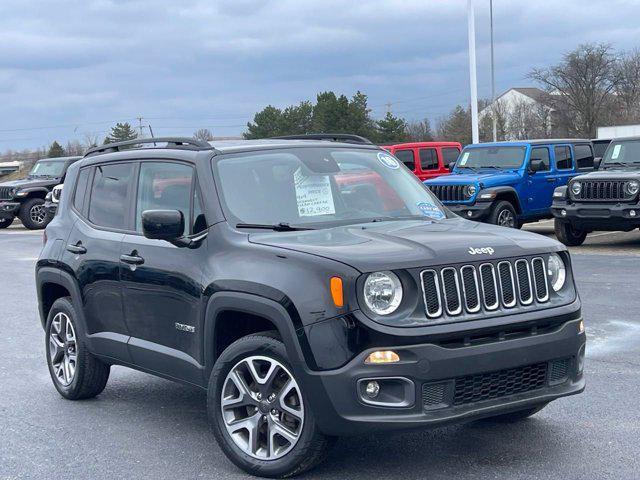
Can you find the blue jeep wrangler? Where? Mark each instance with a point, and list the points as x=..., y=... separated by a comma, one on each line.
x=511, y=183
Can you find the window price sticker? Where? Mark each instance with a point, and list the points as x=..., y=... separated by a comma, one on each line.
x=313, y=195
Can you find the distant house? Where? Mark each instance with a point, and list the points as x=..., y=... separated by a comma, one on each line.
x=9, y=167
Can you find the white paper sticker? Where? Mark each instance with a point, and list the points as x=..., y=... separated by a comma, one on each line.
x=313, y=194
x=616, y=151
x=463, y=160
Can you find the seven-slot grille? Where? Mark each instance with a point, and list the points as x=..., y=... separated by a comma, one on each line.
x=449, y=193
x=5, y=193
x=603, y=190
x=451, y=291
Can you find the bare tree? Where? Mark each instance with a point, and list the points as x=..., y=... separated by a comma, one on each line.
x=91, y=139
x=582, y=84
x=499, y=111
x=203, y=134
x=628, y=91
x=74, y=148
x=419, y=131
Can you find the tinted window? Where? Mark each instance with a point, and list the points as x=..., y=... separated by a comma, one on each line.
x=563, y=158
x=164, y=186
x=449, y=155
x=406, y=157
x=428, y=159
x=600, y=147
x=543, y=155
x=81, y=188
x=584, y=156
x=199, y=221
x=110, y=193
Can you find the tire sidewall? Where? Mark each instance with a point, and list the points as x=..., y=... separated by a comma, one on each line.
x=243, y=348
x=25, y=214
x=65, y=306
x=500, y=207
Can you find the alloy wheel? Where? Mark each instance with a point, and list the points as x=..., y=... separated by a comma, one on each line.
x=262, y=407
x=63, y=352
x=506, y=219
x=37, y=214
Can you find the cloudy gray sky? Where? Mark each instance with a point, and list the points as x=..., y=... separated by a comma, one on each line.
x=71, y=67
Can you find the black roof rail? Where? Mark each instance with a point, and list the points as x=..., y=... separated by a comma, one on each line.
x=332, y=137
x=181, y=143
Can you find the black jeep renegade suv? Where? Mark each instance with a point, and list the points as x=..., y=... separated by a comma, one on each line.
x=607, y=199
x=25, y=198
x=314, y=288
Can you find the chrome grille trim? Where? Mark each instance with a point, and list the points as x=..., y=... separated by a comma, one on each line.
x=450, y=311
x=476, y=308
x=527, y=288
x=434, y=276
x=492, y=271
x=540, y=261
x=513, y=302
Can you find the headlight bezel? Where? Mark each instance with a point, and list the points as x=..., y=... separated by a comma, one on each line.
x=576, y=188
x=559, y=272
x=396, y=299
x=636, y=186
x=470, y=190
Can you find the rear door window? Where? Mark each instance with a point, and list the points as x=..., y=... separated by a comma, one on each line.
x=110, y=195
x=563, y=158
x=428, y=159
x=406, y=157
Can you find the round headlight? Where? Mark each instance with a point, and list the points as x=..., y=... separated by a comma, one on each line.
x=382, y=292
x=576, y=188
x=556, y=272
x=470, y=190
x=632, y=188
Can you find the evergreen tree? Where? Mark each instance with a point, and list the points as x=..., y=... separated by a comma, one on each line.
x=391, y=129
x=55, y=150
x=121, y=132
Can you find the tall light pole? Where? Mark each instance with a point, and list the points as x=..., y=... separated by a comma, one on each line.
x=473, y=83
x=493, y=77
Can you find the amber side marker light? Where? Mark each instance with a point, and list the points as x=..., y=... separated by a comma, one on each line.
x=336, y=291
x=383, y=356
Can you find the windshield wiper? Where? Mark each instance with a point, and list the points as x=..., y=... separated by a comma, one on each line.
x=619, y=164
x=278, y=227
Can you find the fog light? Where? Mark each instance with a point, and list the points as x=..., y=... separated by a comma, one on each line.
x=563, y=212
x=383, y=356
x=632, y=213
x=469, y=213
x=372, y=389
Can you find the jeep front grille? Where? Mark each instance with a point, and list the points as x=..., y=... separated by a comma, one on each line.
x=449, y=193
x=613, y=191
x=470, y=288
x=5, y=193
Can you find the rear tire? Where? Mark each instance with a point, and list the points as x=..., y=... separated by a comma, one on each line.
x=516, y=416
x=75, y=372
x=572, y=237
x=5, y=222
x=32, y=214
x=261, y=396
x=504, y=215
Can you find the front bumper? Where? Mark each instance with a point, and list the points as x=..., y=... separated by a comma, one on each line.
x=598, y=216
x=444, y=385
x=477, y=211
x=9, y=210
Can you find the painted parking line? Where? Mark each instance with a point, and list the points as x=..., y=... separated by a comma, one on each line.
x=591, y=235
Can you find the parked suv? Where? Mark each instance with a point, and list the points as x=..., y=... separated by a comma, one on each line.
x=307, y=308
x=426, y=159
x=603, y=200
x=25, y=198
x=511, y=183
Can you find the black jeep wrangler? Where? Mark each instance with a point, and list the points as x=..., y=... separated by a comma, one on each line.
x=25, y=198
x=606, y=199
x=313, y=288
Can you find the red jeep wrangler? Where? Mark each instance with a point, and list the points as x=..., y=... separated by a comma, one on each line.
x=426, y=159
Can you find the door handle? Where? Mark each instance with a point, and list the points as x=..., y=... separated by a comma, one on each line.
x=76, y=249
x=551, y=180
x=133, y=259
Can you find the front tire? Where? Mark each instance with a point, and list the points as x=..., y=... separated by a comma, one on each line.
x=33, y=215
x=504, y=215
x=5, y=223
x=75, y=372
x=258, y=411
x=571, y=237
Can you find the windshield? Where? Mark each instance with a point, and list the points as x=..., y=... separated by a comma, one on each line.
x=491, y=157
x=47, y=168
x=626, y=153
x=316, y=187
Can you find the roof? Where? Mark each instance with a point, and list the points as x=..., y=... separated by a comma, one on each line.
x=534, y=93
x=422, y=144
x=60, y=159
x=523, y=143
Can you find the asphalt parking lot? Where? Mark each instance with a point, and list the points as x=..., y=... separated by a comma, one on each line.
x=144, y=427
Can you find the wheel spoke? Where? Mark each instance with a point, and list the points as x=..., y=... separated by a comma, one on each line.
x=278, y=428
x=245, y=396
x=282, y=404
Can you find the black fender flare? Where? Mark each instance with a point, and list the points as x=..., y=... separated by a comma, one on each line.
x=501, y=190
x=273, y=311
x=31, y=190
x=64, y=279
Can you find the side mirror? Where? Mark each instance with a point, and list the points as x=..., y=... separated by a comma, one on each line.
x=535, y=165
x=597, y=162
x=163, y=224
x=451, y=165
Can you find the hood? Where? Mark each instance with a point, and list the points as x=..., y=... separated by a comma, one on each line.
x=30, y=182
x=487, y=179
x=410, y=243
x=611, y=174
